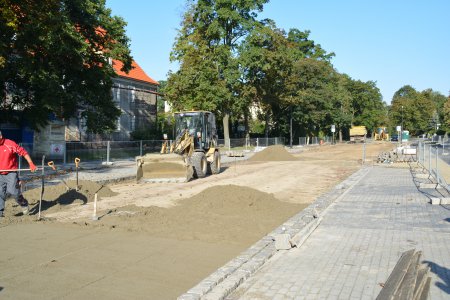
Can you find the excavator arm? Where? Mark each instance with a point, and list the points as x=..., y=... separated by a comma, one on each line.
x=184, y=144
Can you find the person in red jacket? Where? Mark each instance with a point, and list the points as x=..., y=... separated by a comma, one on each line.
x=9, y=180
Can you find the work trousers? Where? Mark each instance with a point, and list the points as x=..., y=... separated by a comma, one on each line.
x=9, y=184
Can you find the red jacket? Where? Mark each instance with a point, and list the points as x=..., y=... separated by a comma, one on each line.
x=8, y=157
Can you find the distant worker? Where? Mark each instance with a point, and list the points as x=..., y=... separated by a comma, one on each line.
x=9, y=180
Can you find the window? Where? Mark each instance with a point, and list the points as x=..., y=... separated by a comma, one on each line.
x=118, y=124
x=133, y=94
x=133, y=123
x=118, y=93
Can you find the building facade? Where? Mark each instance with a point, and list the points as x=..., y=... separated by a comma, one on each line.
x=135, y=94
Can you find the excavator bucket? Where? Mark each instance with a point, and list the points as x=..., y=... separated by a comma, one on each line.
x=163, y=168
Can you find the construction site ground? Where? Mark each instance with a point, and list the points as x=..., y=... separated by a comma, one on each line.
x=158, y=240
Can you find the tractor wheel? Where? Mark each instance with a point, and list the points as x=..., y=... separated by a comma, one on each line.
x=200, y=164
x=214, y=166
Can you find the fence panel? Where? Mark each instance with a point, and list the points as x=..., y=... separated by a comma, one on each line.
x=108, y=151
x=436, y=159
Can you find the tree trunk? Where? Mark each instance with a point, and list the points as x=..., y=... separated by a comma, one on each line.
x=247, y=129
x=226, y=130
x=267, y=125
x=340, y=135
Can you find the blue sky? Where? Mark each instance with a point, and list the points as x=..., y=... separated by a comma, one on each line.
x=391, y=42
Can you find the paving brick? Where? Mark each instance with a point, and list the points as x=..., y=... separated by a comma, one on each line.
x=378, y=214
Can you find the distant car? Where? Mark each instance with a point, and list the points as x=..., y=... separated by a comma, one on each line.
x=394, y=138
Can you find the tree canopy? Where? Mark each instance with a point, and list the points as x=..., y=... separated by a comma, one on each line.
x=54, y=60
x=419, y=112
x=206, y=48
x=237, y=65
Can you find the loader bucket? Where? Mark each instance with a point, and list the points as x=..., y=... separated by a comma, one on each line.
x=163, y=168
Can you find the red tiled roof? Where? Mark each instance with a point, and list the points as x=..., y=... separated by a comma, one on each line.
x=135, y=73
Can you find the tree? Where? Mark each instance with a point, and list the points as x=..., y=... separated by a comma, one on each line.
x=439, y=101
x=446, y=114
x=277, y=69
x=367, y=106
x=206, y=49
x=311, y=85
x=264, y=64
x=54, y=60
x=342, y=112
x=413, y=109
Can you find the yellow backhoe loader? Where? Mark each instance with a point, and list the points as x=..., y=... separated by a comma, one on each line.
x=193, y=154
x=381, y=134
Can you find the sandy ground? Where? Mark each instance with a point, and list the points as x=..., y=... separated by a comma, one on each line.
x=157, y=240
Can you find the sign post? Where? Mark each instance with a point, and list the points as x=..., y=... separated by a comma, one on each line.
x=399, y=133
x=333, y=130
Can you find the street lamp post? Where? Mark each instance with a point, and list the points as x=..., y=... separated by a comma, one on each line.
x=401, y=131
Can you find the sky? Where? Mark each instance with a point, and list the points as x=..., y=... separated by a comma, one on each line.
x=391, y=42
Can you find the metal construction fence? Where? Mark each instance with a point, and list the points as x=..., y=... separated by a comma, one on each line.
x=109, y=151
x=434, y=155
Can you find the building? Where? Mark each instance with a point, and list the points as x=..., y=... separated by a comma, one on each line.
x=135, y=94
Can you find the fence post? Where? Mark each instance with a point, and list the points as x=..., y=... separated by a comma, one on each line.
x=423, y=154
x=65, y=153
x=20, y=161
x=420, y=152
x=364, y=154
x=437, y=173
x=429, y=160
x=257, y=142
x=140, y=148
x=276, y=141
x=107, y=152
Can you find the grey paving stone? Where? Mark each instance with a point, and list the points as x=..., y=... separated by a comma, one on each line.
x=359, y=241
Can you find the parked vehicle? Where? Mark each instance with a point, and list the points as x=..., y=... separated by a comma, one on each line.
x=358, y=134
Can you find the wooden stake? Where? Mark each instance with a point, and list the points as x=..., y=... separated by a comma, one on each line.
x=94, y=217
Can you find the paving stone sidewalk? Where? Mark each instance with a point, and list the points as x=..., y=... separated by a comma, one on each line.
x=358, y=242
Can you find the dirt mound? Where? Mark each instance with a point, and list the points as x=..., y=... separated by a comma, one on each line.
x=273, y=153
x=56, y=197
x=229, y=213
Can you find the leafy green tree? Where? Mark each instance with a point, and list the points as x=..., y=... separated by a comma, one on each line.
x=412, y=109
x=310, y=90
x=303, y=47
x=165, y=121
x=8, y=25
x=341, y=114
x=273, y=65
x=368, y=108
x=446, y=114
x=439, y=101
x=311, y=86
x=54, y=60
x=264, y=63
x=206, y=48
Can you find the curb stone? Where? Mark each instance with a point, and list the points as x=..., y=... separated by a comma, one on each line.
x=229, y=277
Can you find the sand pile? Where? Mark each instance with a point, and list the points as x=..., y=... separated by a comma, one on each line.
x=227, y=213
x=56, y=198
x=273, y=153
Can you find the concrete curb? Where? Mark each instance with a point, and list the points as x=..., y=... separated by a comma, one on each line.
x=297, y=229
